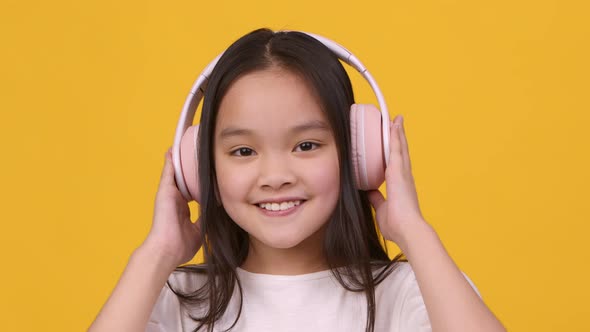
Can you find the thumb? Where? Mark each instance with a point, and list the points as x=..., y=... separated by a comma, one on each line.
x=376, y=198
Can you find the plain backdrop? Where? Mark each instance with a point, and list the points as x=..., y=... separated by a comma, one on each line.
x=495, y=100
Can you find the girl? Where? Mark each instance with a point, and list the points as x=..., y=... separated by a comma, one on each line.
x=289, y=243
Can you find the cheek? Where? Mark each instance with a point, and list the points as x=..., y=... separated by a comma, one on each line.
x=325, y=177
x=233, y=181
x=235, y=184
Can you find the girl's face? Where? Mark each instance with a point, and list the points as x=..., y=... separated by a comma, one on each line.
x=272, y=141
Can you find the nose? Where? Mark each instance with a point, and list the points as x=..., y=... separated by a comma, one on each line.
x=275, y=172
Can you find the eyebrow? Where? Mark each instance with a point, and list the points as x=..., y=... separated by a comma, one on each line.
x=310, y=125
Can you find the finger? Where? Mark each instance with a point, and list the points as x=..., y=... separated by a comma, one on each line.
x=167, y=177
x=395, y=153
x=376, y=198
x=404, y=146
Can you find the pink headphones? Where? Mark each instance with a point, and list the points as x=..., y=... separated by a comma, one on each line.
x=369, y=132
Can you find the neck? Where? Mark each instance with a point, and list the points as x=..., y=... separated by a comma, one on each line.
x=305, y=257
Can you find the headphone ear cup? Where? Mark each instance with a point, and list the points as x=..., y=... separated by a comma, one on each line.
x=368, y=161
x=189, y=162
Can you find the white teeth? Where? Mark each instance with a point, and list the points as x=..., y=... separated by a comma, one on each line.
x=279, y=207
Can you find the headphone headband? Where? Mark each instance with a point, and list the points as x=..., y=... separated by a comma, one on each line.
x=198, y=89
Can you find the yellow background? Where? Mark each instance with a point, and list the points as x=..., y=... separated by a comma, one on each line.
x=495, y=97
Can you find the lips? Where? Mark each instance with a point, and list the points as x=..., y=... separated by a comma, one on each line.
x=279, y=206
x=281, y=199
x=280, y=213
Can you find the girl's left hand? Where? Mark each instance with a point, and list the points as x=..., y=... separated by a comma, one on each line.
x=401, y=209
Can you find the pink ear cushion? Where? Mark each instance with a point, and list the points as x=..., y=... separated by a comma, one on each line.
x=367, y=146
x=189, y=163
x=353, y=142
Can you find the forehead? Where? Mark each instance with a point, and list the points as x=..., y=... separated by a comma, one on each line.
x=269, y=102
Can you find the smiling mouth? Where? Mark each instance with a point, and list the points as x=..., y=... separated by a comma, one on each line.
x=278, y=213
x=280, y=207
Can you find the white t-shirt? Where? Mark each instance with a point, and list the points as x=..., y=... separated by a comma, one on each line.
x=308, y=302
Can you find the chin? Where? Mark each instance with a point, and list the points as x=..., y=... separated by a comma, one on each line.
x=278, y=242
x=278, y=234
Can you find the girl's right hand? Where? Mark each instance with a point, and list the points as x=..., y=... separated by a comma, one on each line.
x=172, y=233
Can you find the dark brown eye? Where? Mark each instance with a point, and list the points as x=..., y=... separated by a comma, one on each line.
x=243, y=152
x=307, y=146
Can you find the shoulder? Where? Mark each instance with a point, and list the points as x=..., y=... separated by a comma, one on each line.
x=188, y=278
x=399, y=300
x=394, y=284
x=166, y=314
x=399, y=303
x=402, y=279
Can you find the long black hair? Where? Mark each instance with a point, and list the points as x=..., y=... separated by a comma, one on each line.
x=351, y=245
